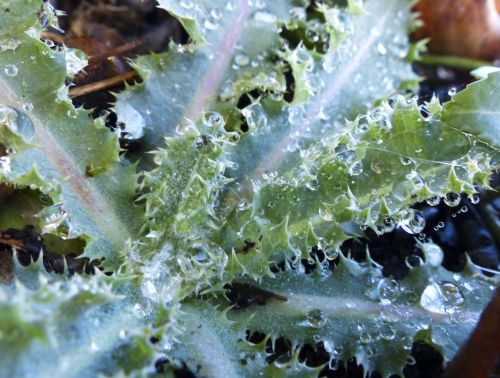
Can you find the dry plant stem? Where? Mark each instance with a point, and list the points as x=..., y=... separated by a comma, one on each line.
x=479, y=354
x=101, y=85
x=120, y=50
x=454, y=61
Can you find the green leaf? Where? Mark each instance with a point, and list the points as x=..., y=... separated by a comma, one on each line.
x=52, y=324
x=366, y=174
x=355, y=311
x=214, y=346
x=59, y=149
x=202, y=71
x=180, y=202
x=475, y=110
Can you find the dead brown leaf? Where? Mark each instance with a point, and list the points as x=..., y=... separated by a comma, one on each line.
x=479, y=354
x=469, y=28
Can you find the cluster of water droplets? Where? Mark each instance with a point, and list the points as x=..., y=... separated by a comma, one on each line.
x=347, y=156
x=443, y=297
x=255, y=116
x=440, y=297
x=411, y=220
x=9, y=44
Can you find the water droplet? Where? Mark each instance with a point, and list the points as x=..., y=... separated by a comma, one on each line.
x=452, y=199
x=213, y=119
x=186, y=4
x=388, y=290
x=338, y=350
x=298, y=13
x=386, y=331
x=138, y=310
x=312, y=35
x=149, y=290
x=49, y=43
x=376, y=167
x=260, y=4
x=313, y=185
x=356, y=169
x=243, y=206
x=158, y=159
x=204, y=144
x=389, y=224
x=410, y=360
x=9, y=44
x=381, y=49
x=5, y=167
x=377, y=114
x=72, y=113
x=216, y=14
x=332, y=253
x=328, y=346
x=412, y=221
x=122, y=334
x=413, y=261
x=475, y=199
x=208, y=24
x=365, y=337
x=325, y=214
x=416, y=180
x=464, y=209
x=316, y=318
x=51, y=218
x=44, y=198
x=406, y=160
x=265, y=17
x=346, y=156
x=442, y=298
x=296, y=115
x=255, y=116
x=11, y=70
x=407, y=342
x=241, y=60
x=28, y=107
x=234, y=137
x=433, y=201
x=433, y=253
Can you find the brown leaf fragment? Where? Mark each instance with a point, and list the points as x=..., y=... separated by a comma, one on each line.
x=478, y=355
